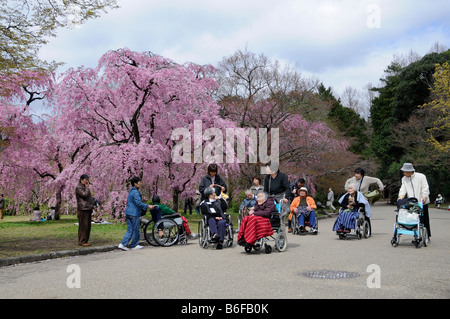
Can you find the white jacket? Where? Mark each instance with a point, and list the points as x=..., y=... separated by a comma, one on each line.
x=415, y=186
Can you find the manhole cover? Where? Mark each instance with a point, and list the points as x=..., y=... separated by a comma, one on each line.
x=328, y=274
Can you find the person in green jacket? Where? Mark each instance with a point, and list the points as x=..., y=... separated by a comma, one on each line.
x=161, y=210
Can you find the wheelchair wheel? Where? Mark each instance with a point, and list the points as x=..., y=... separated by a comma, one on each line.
x=294, y=224
x=248, y=249
x=229, y=236
x=267, y=248
x=366, y=229
x=169, y=235
x=148, y=233
x=395, y=239
x=202, y=236
x=281, y=242
x=424, y=237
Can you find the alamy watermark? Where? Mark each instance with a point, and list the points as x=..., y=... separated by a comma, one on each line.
x=74, y=279
x=374, y=279
x=229, y=147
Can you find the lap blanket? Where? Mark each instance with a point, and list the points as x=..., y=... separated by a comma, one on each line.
x=346, y=219
x=254, y=227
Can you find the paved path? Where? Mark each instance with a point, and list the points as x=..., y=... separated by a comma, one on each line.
x=191, y=272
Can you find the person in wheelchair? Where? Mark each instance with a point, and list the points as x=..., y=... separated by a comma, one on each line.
x=350, y=203
x=211, y=208
x=248, y=202
x=159, y=210
x=303, y=206
x=257, y=224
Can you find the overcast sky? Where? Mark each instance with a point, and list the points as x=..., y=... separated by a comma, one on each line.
x=343, y=43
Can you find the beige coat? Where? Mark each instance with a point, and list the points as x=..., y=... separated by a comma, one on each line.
x=363, y=186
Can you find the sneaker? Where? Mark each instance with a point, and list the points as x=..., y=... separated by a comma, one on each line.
x=215, y=237
x=137, y=247
x=122, y=247
x=193, y=236
x=219, y=246
x=313, y=230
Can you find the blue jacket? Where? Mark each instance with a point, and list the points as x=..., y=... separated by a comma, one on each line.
x=248, y=202
x=134, y=203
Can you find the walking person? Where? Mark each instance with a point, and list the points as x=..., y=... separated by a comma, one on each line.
x=276, y=184
x=361, y=182
x=133, y=211
x=416, y=185
x=85, y=206
x=2, y=205
x=330, y=200
x=188, y=203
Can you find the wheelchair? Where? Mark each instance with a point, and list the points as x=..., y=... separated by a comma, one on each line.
x=279, y=237
x=166, y=231
x=408, y=221
x=361, y=228
x=296, y=229
x=204, y=233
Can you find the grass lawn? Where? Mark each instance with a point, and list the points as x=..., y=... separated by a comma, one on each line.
x=19, y=236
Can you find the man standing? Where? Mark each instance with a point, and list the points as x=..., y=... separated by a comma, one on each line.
x=2, y=205
x=85, y=206
x=416, y=185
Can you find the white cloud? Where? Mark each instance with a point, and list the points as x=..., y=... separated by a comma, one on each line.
x=329, y=39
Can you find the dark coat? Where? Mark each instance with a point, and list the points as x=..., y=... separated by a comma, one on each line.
x=266, y=208
x=85, y=201
x=206, y=182
x=278, y=185
x=212, y=209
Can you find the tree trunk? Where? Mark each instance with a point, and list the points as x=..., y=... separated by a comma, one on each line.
x=58, y=202
x=175, y=197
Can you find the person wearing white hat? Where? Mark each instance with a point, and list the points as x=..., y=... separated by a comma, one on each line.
x=304, y=206
x=416, y=185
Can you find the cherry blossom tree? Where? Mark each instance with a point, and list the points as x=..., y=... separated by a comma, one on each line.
x=25, y=144
x=117, y=120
